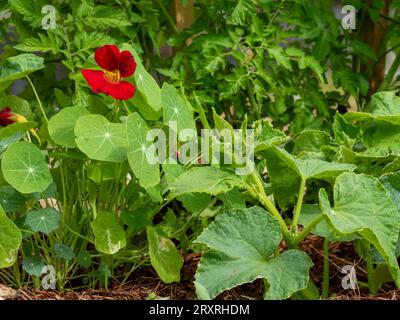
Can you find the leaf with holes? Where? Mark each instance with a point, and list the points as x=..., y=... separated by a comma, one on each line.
x=25, y=169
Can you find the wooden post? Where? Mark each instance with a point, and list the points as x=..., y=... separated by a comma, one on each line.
x=374, y=36
x=184, y=15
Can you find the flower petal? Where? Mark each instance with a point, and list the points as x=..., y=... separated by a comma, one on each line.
x=95, y=79
x=127, y=64
x=107, y=57
x=5, y=117
x=99, y=84
x=121, y=91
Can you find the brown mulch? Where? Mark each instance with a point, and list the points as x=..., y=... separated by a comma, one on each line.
x=145, y=284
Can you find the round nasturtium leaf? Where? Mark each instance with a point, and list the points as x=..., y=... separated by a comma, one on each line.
x=33, y=265
x=44, y=220
x=10, y=199
x=100, y=139
x=10, y=240
x=61, y=126
x=84, y=259
x=108, y=233
x=63, y=251
x=24, y=168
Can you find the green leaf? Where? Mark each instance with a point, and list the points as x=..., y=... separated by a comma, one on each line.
x=100, y=139
x=9, y=140
x=286, y=172
x=205, y=180
x=84, y=259
x=309, y=212
x=17, y=105
x=176, y=109
x=311, y=141
x=382, y=140
x=220, y=123
x=10, y=240
x=344, y=132
x=385, y=107
x=20, y=66
x=108, y=233
x=42, y=43
x=30, y=10
x=24, y=168
x=391, y=182
x=44, y=220
x=10, y=199
x=364, y=206
x=139, y=150
x=15, y=128
x=192, y=202
x=280, y=57
x=106, y=17
x=33, y=265
x=363, y=49
x=63, y=251
x=164, y=256
x=242, y=243
x=266, y=136
x=61, y=126
x=144, y=81
x=242, y=10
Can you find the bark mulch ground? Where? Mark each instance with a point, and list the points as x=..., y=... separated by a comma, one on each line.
x=146, y=285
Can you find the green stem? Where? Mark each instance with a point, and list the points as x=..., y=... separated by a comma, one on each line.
x=299, y=203
x=325, y=282
x=126, y=107
x=306, y=231
x=267, y=203
x=167, y=15
x=370, y=271
x=389, y=77
x=38, y=100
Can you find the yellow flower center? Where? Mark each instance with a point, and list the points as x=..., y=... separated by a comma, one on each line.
x=112, y=76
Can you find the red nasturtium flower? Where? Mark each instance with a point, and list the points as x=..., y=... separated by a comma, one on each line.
x=6, y=117
x=117, y=65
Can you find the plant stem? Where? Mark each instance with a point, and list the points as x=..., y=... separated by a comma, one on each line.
x=306, y=231
x=267, y=203
x=126, y=107
x=38, y=100
x=389, y=77
x=370, y=270
x=299, y=203
x=325, y=282
x=167, y=15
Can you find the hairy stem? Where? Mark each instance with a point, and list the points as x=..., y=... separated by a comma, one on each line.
x=306, y=231
x=299, y=203
x=325, y=282
x=261, y=196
